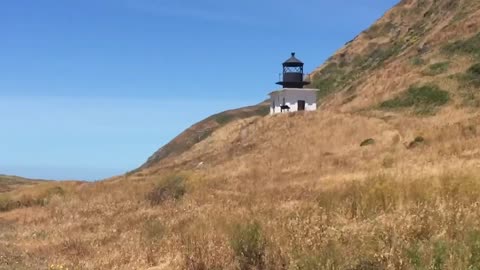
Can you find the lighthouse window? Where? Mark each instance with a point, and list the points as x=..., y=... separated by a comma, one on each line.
x=293, y=70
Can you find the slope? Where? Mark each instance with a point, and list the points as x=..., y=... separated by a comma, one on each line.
x=398, y=64
x=202, y=130
x=9, y=183
x=416, y=43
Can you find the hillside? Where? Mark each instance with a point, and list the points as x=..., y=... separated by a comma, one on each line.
x=385, y=175
x=409, y=48
x=9, y=183
x=202, y=130
x=414, y=44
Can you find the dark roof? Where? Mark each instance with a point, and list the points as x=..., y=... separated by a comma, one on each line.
x=293, y=61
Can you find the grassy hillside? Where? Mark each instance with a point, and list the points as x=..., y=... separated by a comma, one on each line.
x=9, y=183
x=202, y=130
x=385, y=175
x=414, y=44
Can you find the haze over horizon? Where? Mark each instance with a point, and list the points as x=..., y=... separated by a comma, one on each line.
x=90, y=89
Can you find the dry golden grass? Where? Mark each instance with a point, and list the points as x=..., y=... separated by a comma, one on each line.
x=272, y=194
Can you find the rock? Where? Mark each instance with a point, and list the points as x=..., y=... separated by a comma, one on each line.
x=367, y=142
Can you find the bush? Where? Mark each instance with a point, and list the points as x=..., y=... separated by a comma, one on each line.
x=248, y=245
x=417, y=61
x=469, y=46
x=414, y=256
x=169, y=188
x=472, y=76
x=423, y=99
x=153, y=231
x=437, y=68
x=7, y=204
x=224, y=118
x=474, y=70
x=474, y=246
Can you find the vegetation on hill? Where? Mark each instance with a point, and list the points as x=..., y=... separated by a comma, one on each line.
x=424, y=99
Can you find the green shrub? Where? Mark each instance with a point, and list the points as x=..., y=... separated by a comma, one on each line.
x=469, y=46
x=437, y=68
x=169, y=188
x=423, y=99
x=418, y=61
x=248, y=245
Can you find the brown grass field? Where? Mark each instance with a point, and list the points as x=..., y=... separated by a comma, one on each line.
x=327, y=204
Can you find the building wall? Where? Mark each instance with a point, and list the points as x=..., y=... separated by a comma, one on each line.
x=291, y=99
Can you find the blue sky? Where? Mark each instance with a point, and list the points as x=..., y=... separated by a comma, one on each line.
x=91, y=88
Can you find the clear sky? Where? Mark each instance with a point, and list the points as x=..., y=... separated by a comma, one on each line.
x=91, y=88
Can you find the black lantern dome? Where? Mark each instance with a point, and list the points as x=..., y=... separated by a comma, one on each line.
x=293, y=73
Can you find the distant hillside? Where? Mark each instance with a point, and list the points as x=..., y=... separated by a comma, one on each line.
x=202, y=130
x=9, y=183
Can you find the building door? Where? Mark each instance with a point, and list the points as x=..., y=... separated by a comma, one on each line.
x=301, y=105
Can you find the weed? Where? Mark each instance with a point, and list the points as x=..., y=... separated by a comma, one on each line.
x=474, y=246
x=439, y=255
x=414, y=255
x=75, y=248
x=6, y=203
x=171, y=187
x=153, y=231
x=248, y=244
x=388, y=162
x=368, y=265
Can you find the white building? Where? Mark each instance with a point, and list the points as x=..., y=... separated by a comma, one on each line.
x=293, y=96
x=293, y=99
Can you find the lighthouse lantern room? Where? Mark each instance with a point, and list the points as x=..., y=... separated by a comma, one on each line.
x=293, y=96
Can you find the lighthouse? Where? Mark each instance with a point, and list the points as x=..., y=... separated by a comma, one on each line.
x=293, y=96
